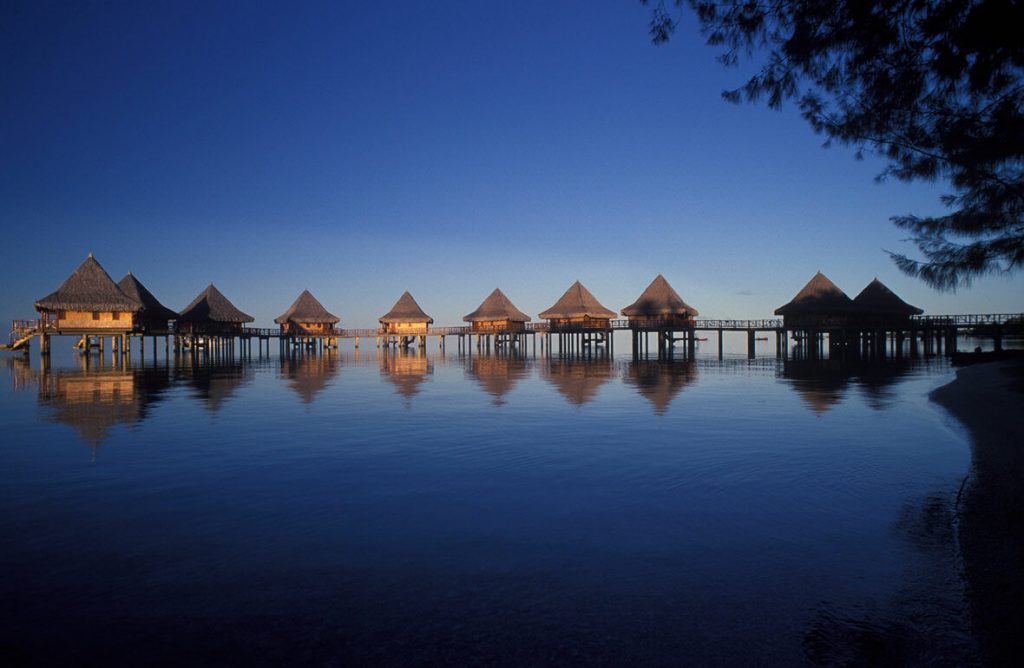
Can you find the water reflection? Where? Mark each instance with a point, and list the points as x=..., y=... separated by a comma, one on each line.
x=659, y=381
x=497, y=375
x=309, y=375
x=578, y=379
x=93, y=400
x=823, y=383
x=97, y=394
x=214, y=383
x=406, y=369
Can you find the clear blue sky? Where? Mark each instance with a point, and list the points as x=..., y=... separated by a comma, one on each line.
x=361, y=149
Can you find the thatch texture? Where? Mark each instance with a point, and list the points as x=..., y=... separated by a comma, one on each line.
x=406, y=310
x=877, y=299
x=152, y=309
x=88, y=288
x=306, y=308
x=211, y=306
x=497, y=307
x=577, y=302
x=659, y=299
x=819, y=297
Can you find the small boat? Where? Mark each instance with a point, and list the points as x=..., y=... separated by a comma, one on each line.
x=760, y=338
x=701, y=339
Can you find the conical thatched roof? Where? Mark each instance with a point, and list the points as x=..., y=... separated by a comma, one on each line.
x=151, y=306
x=659, y=299
x=306, y=309
x=577, y=302
x=497, y=307
x=211, y=306
x=877, y=299
x=819, y=297
x=406, y=310
x=89, y=288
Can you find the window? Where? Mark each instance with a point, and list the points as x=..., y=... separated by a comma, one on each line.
x=95, y=315
x=62, y=315
x=116, y=315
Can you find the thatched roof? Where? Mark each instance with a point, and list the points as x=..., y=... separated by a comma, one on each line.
x=306, y=309
x=577, y=302
x=406, y=310
x=819, y=297
x=497, y=307
x=151, y=306
x=211, y=306
x=659, y=299
x=877, y=299
x=88, y=288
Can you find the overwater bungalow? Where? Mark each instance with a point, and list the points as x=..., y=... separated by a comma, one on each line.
x=497, y=314
x=307, y=317
x=211, y=313
x=578, y=309
x=878, y=307
x=89, y=301
x=154, y=316
x=820, y=305
x=660, y=308
x=406, y=320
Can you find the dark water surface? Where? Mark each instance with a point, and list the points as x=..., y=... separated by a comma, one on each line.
x=423, y=509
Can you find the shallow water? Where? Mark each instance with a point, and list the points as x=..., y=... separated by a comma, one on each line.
x=416, y=509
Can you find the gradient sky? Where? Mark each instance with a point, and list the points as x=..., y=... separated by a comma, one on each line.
x=362, y=149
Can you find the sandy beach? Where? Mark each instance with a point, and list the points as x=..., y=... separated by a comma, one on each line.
x=988, y=399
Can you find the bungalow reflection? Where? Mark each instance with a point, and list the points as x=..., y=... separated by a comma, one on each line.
x=213, y=383
x=660, y=380
x=405, y=369
x=94, y=399
x=823, y=383
x=578, y=379
x=309, y=375
x=497, y=375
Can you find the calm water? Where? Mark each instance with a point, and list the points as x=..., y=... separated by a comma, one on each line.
x=416, y=509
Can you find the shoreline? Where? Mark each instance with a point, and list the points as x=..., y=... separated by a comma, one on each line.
x=987, y=399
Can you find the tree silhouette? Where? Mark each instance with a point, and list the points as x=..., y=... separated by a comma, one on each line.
x=933, y=86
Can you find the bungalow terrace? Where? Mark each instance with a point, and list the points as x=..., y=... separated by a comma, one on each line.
x=405, y=320
x=578, y=309
x=154, y=316
x=661, y=308
x=307, y=316
x=211, y=313
x=497, y=314
x=89, y=301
